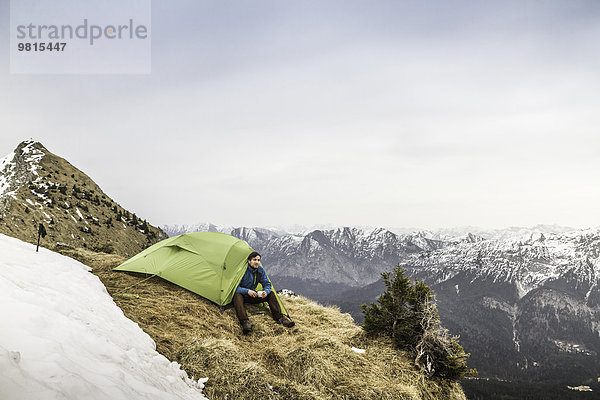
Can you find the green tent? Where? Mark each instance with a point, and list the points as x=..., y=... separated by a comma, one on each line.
x=210, y=264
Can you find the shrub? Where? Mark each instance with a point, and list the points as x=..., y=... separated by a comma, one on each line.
x=408, y=314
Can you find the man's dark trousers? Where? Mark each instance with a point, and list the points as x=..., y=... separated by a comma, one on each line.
x=239, y=300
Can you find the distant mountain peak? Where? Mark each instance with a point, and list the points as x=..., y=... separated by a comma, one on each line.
x=537, y=237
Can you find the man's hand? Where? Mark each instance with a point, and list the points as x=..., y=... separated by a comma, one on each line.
x=252, y=293
x=262, y=294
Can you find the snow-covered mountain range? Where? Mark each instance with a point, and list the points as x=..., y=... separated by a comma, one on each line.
x=528, y=263
x=524, y=307
x=350, y=255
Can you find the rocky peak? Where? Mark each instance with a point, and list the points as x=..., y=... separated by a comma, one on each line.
x=21, y=166
x=471, y=238
x=536, y=237
x=254, y=235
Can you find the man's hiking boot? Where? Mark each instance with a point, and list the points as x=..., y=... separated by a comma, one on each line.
x=285, y=321
x=246, y=327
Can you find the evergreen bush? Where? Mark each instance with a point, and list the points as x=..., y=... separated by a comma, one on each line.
x=407, y=313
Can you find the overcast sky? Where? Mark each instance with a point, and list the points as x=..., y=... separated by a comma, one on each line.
x=384, y=113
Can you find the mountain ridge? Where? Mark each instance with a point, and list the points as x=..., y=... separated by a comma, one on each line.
x=37, y=186
x=345, y=255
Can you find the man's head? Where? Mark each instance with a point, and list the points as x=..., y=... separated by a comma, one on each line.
x=254, y=259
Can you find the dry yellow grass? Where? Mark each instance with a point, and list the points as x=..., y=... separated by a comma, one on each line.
x=313, y=360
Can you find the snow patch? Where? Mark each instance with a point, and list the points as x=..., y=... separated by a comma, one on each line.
x=63, y=337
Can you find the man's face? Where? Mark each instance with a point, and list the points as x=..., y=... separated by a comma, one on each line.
x=254, y=262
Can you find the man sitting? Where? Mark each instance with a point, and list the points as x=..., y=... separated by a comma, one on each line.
x=246, y=293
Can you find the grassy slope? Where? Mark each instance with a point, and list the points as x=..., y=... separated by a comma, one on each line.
x=314, y=360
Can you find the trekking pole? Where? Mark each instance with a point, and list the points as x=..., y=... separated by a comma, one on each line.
x=41, y=233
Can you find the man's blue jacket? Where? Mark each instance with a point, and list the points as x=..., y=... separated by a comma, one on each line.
x=249, y=282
